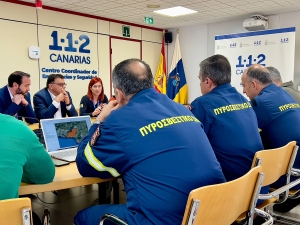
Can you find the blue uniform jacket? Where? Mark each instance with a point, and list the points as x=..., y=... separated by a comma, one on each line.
x=231, y=127
x=160, y=150
x=10, y=108
x=278, y=116
x=44, y=108
x=87, y=106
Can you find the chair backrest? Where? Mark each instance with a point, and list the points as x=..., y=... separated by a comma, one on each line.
x=11, y=211
x=222, y=203
x=276, y=162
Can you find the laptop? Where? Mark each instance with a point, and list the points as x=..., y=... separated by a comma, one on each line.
x=63, y=135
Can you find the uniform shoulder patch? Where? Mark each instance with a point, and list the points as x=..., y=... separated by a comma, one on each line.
x=189, y=107
x=95, y=136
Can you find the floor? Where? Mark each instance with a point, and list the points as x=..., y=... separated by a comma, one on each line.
x=64, y=207
x=294, y=213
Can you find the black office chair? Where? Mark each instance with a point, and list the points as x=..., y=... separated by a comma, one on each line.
x=39, y=134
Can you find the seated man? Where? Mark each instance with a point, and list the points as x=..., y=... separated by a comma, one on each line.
x=54, y=101
x=287, y=86
x=23, y=159
x=228, y=118
x=278, y=116
x=15, y=97
x=156, y=145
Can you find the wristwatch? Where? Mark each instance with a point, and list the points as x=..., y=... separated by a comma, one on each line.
x=97, y=122
x=69, y=104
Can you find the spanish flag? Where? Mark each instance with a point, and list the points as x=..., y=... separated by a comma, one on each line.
x=177, y=87
x=160, y=80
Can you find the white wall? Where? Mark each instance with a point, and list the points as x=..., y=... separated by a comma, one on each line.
x=197, y=43
x=24, y=26
x=193, y=46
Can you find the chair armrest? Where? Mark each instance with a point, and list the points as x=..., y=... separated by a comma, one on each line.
x=265, y=215
x=295, y=172
x=279, y=190
x=112, y=218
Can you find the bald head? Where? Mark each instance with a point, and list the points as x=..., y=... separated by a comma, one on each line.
x=254, y=79
x=132, y=76
x=138, y=69
x=258, y=73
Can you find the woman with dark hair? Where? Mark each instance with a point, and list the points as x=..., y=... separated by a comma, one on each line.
x=91, y=103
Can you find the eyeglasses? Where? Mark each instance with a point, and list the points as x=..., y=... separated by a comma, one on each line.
x=61, y=85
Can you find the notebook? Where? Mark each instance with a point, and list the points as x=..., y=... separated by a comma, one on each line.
x=63, y=135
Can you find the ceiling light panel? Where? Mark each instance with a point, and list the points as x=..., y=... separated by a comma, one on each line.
x=175, y=11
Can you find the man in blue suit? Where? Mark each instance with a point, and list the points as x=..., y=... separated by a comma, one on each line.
x=15, y=97
x=54, y=101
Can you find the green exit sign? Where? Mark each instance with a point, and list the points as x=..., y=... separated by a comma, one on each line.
x=148, y=20
x=126, y=31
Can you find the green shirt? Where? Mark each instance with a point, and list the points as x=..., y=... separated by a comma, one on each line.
x=22, y=157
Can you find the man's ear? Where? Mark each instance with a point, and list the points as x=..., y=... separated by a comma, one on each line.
x=254, y=85
x=208, y=81
x=15, y=85
x=119, y=93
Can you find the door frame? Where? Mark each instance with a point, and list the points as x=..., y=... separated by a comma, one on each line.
x=110, y=55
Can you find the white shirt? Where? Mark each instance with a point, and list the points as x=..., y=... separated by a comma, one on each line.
x=57, y=105
x=11, y=97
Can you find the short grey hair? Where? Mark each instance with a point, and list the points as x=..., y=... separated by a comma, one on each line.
x=274, y=73
x=217, y=68
x=129, y=80
x=262, y=75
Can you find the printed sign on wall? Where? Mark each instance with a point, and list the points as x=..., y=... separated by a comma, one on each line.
x=70, y=53
x=268, y=47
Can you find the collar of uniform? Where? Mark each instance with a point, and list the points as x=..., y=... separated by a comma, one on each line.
x=222, y=87
x=266, y=88
x=287, y=84
x=145, y=91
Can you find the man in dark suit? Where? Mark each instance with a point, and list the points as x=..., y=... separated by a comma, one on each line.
x=15, y=97
x=54, y=101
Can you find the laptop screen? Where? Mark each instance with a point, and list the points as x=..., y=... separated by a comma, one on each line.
x=64, y=133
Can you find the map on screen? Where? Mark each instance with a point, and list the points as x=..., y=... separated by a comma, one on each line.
x=71, y=133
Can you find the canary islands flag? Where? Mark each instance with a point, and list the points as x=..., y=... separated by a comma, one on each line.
x=176, y=86
x=160, y=80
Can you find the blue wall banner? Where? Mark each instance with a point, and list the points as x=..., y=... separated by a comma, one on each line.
x=267, y=47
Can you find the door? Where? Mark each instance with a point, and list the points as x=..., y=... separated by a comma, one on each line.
x=121, y=49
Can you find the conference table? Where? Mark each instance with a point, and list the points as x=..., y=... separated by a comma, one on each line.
x=68, y=177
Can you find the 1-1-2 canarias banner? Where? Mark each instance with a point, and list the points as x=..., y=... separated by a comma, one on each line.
x=274, y=47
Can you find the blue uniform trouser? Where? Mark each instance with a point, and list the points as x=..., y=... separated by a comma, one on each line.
x=92, y=215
